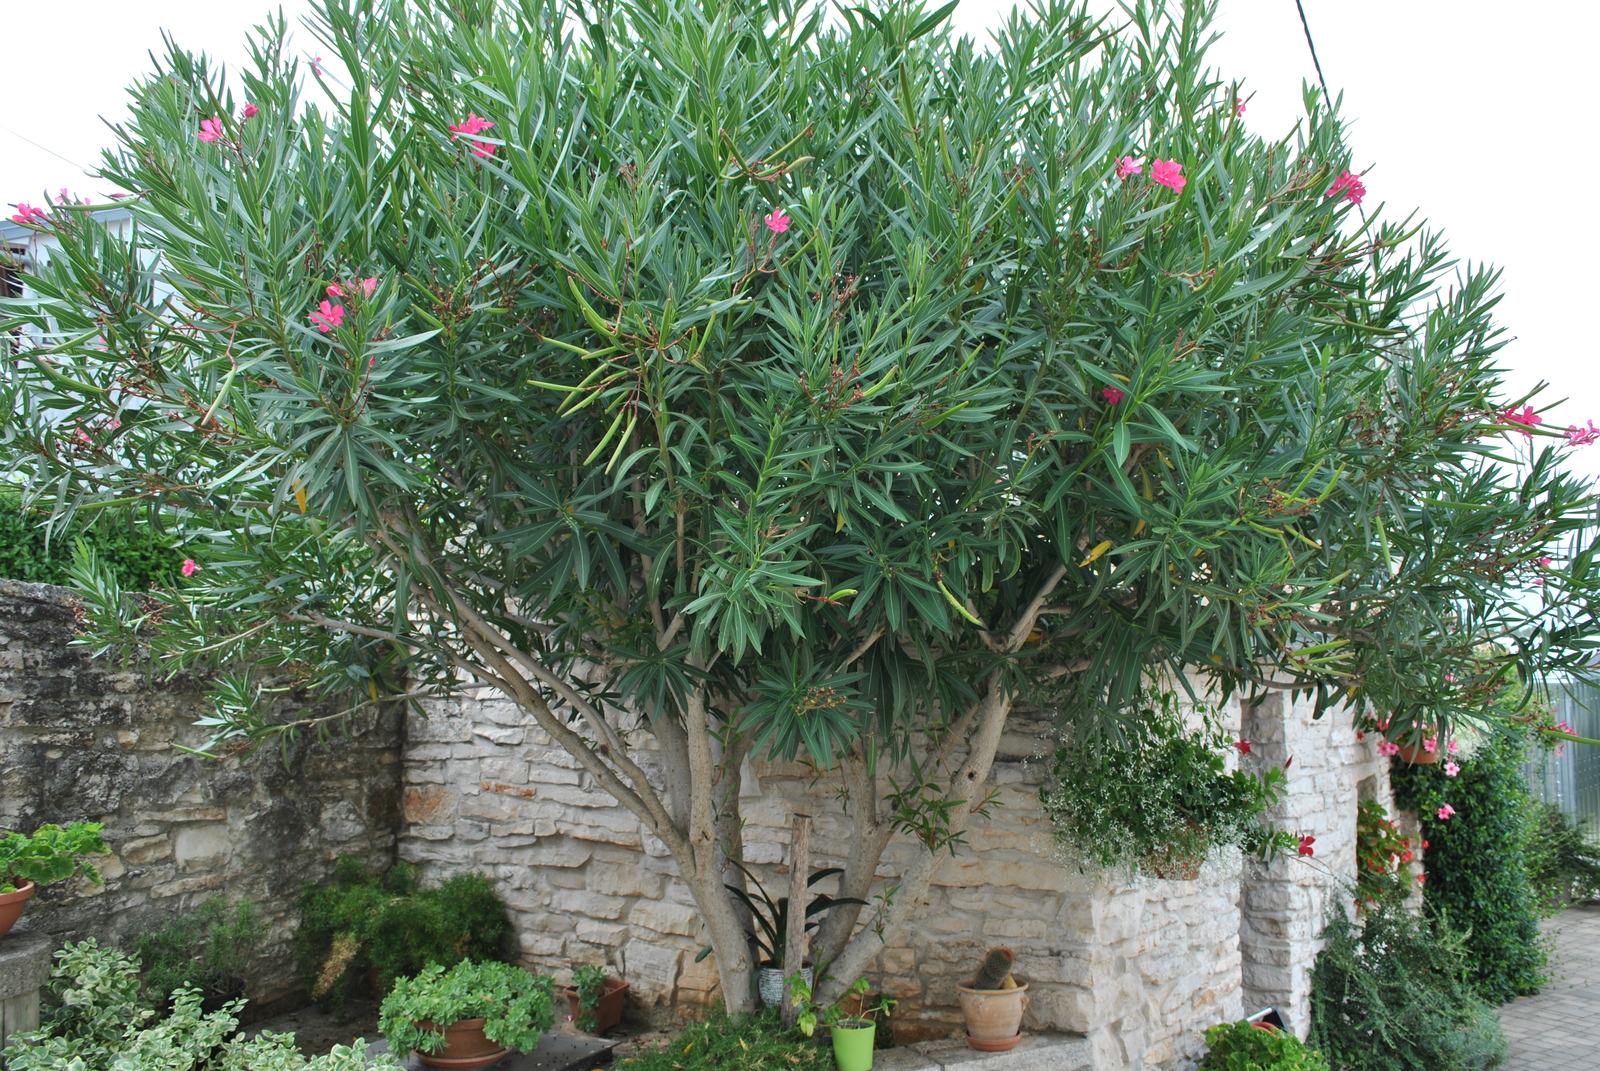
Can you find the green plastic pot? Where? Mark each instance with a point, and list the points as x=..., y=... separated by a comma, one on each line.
x=852, y=1044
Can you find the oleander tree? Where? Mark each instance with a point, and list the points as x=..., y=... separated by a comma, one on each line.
x=781, y=380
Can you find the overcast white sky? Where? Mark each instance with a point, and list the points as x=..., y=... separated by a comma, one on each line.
x=1480, y=114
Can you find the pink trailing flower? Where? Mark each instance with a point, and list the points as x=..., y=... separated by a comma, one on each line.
x=210, y=129
x=251, y=111
x=1113, y=396
x=777, y=221
x=1168, y=173
x=26, y=213
x=474, y=124
x=1527, y=418
x=328, y=316
x=1243, y=746
x=1452, y=747
x=1306, y=843
x=1577, y=436
x=1430, y=745
x=1445, y=812
x=1129, y=166
x=189, y=567
x=1388, y=747
x=1350, y=185
x=1451, y=769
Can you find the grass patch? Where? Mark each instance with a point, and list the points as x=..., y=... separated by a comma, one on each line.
x=755, y=1043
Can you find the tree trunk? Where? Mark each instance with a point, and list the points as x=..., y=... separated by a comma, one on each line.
x=794, y=945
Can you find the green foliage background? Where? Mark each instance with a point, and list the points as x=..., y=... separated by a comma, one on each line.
x=208, y=948
x=1241, y=1047
x=1478, y=874
x=1395, y=996
x=140, y=557
x=751, y=1043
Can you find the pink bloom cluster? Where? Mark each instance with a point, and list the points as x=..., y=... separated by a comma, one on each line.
x=1577, y=436
x=211, y=129
x=777, y=220
x=1128, y=166
x=1445, y=812
x=1350, y=185
x=327, y=316
x=1112, y=396
x=1168, y=173
x=1430, y=745
x=474, y=124
x=26, y=213
x=367, y=286
x=189, y=567
x=251, y=111
x=1527, y=418
x=1238, y=109
x=1388, y=747
x=1451, y=769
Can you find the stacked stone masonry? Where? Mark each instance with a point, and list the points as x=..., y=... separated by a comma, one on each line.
x=87, y=740
x=1137, y=968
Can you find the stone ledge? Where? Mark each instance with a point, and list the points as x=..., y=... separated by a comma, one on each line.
x=24, y=961
x=1036, y=1052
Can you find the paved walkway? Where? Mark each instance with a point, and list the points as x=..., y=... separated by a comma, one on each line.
x=1559, y=1030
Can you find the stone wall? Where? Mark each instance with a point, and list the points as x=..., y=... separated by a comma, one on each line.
x=1138, y=968
x=83, y=740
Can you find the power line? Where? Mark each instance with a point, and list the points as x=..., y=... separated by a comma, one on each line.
x=1315, y=62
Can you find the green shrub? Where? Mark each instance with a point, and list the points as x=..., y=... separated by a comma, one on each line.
x=389, y=923
x=138, y=555
x=94, y=1021
x=1477, y=867
x=515, y=1006
x=752, y=1043
x=1242, y=1047
x=49, y=854
x=1394, y=996
x=1383, y=856
x=1563, y=862
x=208, y=949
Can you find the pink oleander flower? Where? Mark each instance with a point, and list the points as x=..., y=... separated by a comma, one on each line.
x=474, y=124
x=1430, y=745
x=251, y=111
x=1545, y=562
x=210, y=129
x=483, y=148
x=1388, y=747
x=26, y=213
x=1243, y=746
x=777, y=221
x=1564, y=726
x=1129, y=166
x=1451, y=769
x=328, y=316
x=189, y=567
x=1527, y=418
x=1445, y=812
x=1350, y=185
x=1577, y=436
x=316, y=66
x=367, y=287
x=1113, y=396
x=1238, y=109
x=1168, y=173
x=1306, y=843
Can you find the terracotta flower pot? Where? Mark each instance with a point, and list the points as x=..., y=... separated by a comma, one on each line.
x=609, y=1012
x=466, y=1047
x=994, y=1016
x=11, y=905
x=1417, y=755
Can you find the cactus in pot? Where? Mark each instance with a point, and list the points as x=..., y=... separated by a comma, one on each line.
x=993, y=1004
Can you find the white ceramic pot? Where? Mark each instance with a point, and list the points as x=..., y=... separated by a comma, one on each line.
x=769, y=981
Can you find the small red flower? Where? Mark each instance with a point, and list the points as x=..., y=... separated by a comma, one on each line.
x=1350, y=185
x=1243, y=746
x=251, y=111
x=1306, y=843
x=1112, y=395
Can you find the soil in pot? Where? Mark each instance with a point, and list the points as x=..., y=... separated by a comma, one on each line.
x=11, y=905
x=466, y=1048
x=853, y=1041
x=994, y=1016
x=609, y=1011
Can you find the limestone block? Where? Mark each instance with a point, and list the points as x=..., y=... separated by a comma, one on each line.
x=663, y=916
x=582, y=903
x=201, y=846
x=141, y=850
x=599, y=933
x=620, y=879
x=652, y=970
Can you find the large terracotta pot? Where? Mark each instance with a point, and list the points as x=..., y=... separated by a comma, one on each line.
x=466, y=1048
x=609, y=1012
x=11, y=905
x=994, y=1016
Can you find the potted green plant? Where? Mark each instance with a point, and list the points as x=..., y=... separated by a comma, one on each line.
x=855, y=1036
x=208, y=949
x=770, y=931
x=1245, y=1046
x=993, y=1004
x=468, y=1016
x=596, y=999
x=49, y=854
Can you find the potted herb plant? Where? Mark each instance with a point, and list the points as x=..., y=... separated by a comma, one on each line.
x=596, y=999
x=208, y=949
x=468, y=1016
x=1257, y=1045
x=855, y=1036
x=993, y=1004
x=49, y=854
x=771, y=928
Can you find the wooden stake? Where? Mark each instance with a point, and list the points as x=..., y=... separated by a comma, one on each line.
x=794, y=945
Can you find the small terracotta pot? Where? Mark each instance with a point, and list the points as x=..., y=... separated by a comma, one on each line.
x=994, y=1016
x=466, y=1047
x=11, y=905
x=1417, y=755
x=609, y=1011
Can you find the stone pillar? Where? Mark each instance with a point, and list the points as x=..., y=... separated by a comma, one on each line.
x=24, y=968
